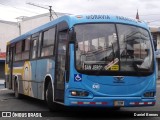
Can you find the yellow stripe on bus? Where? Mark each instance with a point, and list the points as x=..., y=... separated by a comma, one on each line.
x=18, y=71
x=6, y=69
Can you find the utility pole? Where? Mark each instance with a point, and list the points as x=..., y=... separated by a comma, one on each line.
x=19, y=27
x=50, y=9
x=19, y=19
x=50, y=12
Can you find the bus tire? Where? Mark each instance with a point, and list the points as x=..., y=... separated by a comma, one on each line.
x=49, y=98
x=16, y=91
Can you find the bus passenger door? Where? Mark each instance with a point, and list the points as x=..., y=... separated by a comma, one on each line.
x=60, y=66
x=11, y=52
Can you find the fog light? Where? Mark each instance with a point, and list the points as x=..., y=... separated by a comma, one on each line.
x=149, y=94
x=79, y=93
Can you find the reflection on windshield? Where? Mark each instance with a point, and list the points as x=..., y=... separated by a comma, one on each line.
x=101, y=48
x=135, y=48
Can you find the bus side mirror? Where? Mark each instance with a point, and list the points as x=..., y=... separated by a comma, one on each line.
x=72, y=37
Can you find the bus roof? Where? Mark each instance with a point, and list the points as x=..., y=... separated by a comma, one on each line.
x=78, y=19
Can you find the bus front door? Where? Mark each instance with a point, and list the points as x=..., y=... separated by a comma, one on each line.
x=60, y=66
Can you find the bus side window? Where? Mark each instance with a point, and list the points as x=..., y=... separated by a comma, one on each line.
x=34, y=48
x=39, y=44
x=48, y=42
x=18, y=55
x=25, y=48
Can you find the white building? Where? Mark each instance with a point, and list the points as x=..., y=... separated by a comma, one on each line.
x=11, y=30
x=8, y=31
x=156, y=37
x=28, y=23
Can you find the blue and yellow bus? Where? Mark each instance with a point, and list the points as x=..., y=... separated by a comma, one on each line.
x=85, y=60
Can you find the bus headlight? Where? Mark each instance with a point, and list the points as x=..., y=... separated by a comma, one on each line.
x=149, y=94
x=79, y=93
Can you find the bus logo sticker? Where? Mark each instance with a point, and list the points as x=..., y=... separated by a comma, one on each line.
x=77, y=77
x=118, y=79
x=96, y=86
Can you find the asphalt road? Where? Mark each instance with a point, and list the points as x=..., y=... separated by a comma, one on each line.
x=9, y=103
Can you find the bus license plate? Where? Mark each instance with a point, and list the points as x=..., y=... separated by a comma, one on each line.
x=118, y=103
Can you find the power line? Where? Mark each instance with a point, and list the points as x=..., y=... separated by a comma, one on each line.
x=55, y=13
x=50, y=9
x=19, y=8
x=37, y=5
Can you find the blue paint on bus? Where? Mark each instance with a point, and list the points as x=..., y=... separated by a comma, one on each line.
x=83, y=87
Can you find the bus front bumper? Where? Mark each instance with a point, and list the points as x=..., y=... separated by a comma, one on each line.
x=111, y=102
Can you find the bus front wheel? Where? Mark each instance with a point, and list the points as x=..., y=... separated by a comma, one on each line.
x=49, y=98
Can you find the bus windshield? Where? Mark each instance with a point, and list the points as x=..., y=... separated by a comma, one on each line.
x=113, y=47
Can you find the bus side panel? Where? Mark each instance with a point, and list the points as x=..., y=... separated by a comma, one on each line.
x=18, y=74
x=28, y=85
x=31, y=76
x=45, y=67
x=40, y=75
x=40, y=88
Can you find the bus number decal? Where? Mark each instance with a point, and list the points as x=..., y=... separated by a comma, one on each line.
x=96, y=86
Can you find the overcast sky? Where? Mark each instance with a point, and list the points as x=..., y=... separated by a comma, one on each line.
x=149, y=10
